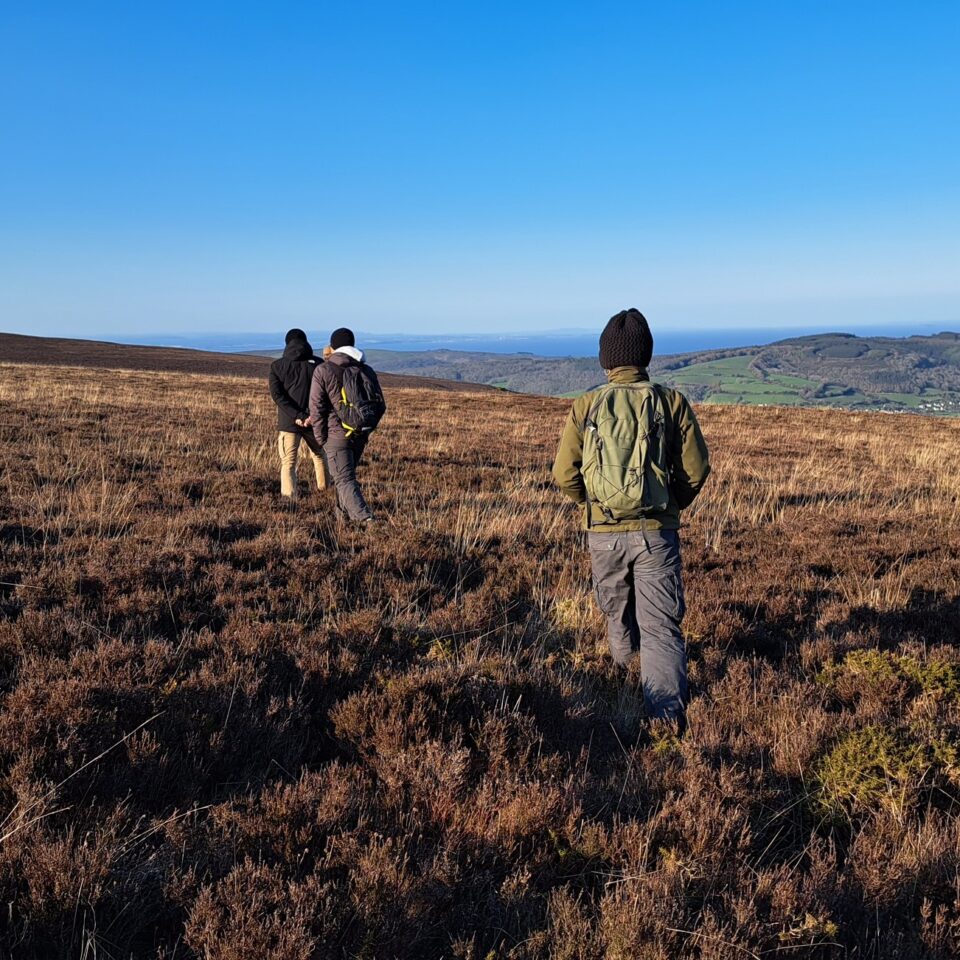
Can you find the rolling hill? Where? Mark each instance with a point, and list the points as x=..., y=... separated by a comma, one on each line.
x=921, y=373
x=20, y=349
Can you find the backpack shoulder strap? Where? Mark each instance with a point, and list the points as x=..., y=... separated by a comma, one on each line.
x=591, y=415
x=335, y=383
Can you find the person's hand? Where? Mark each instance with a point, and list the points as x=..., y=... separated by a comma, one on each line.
x=299, y=422
x=308, y=422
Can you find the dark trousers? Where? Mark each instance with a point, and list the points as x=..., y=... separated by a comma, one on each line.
x=343, y=458
x=639, y=587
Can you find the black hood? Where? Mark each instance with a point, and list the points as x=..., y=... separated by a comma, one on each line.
x=298, y=350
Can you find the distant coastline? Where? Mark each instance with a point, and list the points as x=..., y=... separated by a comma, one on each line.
x=560, y=343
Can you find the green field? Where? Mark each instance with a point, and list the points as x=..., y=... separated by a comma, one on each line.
x=734, y=380
x=737, y=372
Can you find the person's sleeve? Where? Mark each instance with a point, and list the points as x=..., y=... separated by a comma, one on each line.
x=319, y=406
x=690, y=459
x=566, y=467
x=282, y=399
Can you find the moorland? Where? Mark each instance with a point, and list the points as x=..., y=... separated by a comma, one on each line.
x=230, y=730
x=62, y=351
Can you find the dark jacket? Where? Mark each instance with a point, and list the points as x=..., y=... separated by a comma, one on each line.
x=290, y=379
x=689, y=458
x=325, y=396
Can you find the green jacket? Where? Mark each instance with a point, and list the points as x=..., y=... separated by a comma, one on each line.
x=690, y=462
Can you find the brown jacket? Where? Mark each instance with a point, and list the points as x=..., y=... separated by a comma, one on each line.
x=325, y=396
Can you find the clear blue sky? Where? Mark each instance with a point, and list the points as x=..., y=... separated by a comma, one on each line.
x=498, y=166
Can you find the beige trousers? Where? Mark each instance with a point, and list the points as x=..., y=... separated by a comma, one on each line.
x=288, y=444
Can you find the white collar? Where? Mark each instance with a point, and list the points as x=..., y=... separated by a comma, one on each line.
x=352, y=352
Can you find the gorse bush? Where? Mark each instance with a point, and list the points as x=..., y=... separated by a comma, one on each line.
x=873, y=767
x=230, y=731
x=913, y=755
x=882, y=673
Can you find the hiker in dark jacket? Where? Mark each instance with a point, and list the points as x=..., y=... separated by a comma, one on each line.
x=342, y=445
x=290, y=379
x=632, y=453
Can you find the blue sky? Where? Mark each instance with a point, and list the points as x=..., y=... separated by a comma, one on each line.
x=427, y=167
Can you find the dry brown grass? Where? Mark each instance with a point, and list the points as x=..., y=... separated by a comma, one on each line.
x=228, y=731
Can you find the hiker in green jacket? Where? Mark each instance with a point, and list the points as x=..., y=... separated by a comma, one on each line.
x=632, y=453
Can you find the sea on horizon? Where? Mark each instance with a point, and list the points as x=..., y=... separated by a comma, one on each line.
x=547, y=344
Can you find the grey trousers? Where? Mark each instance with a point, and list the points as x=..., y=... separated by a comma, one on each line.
x=639, y=589
x=342, y=460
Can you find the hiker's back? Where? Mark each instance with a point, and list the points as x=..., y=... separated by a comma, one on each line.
x=355, y=403
x=290, y=379
x=643, y=483
x=625, y=451
x=362, y=405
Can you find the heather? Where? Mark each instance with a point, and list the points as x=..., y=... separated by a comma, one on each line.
x=228, y=730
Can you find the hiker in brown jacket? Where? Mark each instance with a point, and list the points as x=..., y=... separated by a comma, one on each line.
x=633, y=455
x=343, y=445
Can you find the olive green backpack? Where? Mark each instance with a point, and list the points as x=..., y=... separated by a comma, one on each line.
x=625, y=465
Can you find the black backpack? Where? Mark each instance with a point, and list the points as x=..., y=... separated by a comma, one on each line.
x=361, y=401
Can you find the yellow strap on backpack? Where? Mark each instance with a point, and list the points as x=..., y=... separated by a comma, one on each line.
x=347, y=429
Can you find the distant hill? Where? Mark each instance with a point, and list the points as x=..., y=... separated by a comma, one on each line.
x=920, y=374
x=16, y=348
x=888, y=373
x=894, y=373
